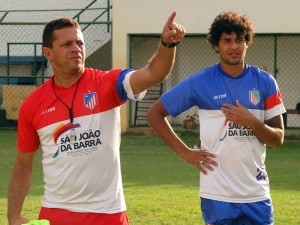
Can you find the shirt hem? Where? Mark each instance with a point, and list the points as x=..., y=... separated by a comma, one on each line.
x=236, y=200
x=85, y=210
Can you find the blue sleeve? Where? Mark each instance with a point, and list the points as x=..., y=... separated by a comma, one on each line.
x=179, y=98
x=120, y=88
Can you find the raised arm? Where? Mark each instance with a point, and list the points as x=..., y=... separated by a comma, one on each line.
x=161, y=63
x=19, y=186
x=199, y=158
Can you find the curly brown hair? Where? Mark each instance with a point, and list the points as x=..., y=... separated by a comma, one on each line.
x=229, y=22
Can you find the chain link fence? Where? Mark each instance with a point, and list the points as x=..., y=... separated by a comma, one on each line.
x=22, y=64
x=278, y=54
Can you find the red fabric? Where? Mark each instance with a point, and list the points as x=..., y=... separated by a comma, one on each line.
x=273, y=101
x=42, y=108
x=65, y=217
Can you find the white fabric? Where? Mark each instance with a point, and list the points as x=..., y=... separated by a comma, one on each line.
x=128, y=89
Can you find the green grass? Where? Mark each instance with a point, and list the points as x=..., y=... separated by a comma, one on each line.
x=160, y=188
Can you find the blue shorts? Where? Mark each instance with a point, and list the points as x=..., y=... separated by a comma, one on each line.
x=226, y=213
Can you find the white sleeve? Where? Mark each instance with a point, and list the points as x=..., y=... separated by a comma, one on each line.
x=128, y=89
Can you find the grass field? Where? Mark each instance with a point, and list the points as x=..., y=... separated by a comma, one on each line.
x=160, y=188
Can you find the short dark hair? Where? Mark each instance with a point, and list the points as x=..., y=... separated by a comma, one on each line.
x=56, y=24
x=229, y=22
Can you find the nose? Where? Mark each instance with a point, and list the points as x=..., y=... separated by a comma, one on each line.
x=234, y=44
x=76, y=47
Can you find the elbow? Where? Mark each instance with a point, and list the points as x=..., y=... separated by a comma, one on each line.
x=149, y=117
x=278, y=141
x=152, y=117
x=156, y=114
x=276, y=145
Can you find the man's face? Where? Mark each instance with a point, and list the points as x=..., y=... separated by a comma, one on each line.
x=67, y=54
x=232, y=49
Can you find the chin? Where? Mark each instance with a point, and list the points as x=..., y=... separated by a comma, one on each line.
x=236, y=62
x=78, y=69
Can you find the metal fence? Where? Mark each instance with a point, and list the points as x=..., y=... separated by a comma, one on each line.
x=279, y=54
x=22, y=64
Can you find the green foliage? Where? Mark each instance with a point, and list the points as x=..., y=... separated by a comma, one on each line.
x=160, y=188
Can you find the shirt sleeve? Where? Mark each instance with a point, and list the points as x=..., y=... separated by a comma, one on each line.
x=273, y=104
x=28, y=139
x=179, y=98
x=124, y=88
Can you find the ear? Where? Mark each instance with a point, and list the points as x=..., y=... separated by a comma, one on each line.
x=216, y=48
x=47, y=53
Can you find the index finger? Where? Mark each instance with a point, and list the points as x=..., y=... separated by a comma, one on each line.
x=170, y=20
x=227, y=105
x=205, y=153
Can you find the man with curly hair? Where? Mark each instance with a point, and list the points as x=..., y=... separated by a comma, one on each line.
x=240, y=110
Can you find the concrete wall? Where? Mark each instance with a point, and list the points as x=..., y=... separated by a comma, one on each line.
x=140, y=16
x=148, y=17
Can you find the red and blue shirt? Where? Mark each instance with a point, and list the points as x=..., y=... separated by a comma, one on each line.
x=241, y=175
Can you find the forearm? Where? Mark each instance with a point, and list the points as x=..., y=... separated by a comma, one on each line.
x=270, y=135
x=18, y=188
x=162, y=63
x=162, y=127
x=156, y=71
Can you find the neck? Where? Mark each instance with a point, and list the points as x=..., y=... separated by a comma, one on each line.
x=233, y=70
x=66, y=82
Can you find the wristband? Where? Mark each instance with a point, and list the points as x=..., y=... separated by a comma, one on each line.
x=172, y=45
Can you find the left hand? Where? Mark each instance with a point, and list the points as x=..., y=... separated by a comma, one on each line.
x=238, y=114
x=172, y=31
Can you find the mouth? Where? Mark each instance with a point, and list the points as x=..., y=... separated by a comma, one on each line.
x=234, y=54
x=75, y=57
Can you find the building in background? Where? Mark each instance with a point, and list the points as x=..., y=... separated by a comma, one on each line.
x=135, y=35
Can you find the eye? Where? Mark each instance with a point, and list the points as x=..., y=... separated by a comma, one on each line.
x=80, y=43
x=241, y=40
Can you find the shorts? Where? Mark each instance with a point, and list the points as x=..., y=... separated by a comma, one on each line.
x=65, y=217
x=226, y=213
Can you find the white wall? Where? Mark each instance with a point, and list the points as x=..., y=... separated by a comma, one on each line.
x=148, y=17
x=140, y=16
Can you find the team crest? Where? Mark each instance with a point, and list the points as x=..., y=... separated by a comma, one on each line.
x=90, y=100
x=254, y=97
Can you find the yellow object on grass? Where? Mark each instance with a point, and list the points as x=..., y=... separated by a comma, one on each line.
x=38, y=222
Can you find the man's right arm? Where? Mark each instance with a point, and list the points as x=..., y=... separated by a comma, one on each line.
x=161, y=63
x=19, y=186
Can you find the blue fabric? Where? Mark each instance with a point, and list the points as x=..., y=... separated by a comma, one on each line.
x=226, y=213
x=120, y=89
x=210, y=88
